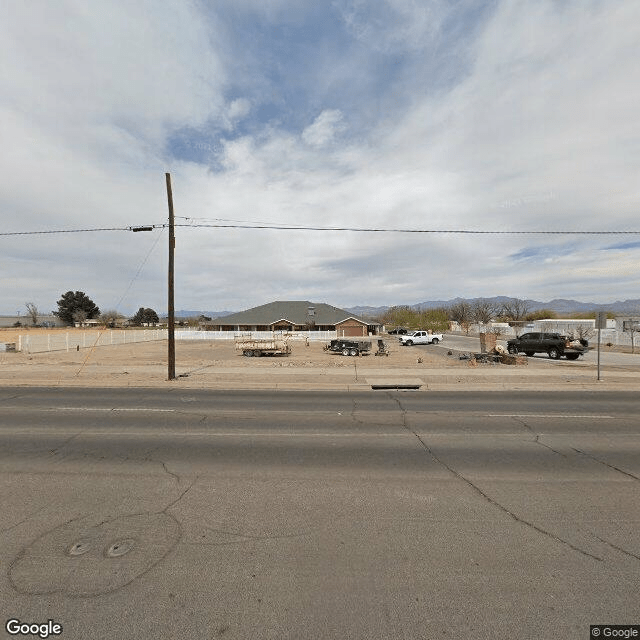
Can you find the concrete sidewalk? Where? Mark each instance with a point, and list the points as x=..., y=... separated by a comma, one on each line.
x=321, y=378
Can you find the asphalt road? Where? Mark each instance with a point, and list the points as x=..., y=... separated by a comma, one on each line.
x=196, y=514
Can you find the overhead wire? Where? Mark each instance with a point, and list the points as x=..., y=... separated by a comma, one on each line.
x=285, y=227
x=281, y=227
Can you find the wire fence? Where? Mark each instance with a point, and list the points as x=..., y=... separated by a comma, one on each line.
x=76, y=340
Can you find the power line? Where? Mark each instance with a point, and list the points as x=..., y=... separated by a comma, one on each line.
x=32, y=233
x=433, y=231
x=282, y=227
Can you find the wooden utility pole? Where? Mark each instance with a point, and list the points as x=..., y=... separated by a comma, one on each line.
x=171, y=320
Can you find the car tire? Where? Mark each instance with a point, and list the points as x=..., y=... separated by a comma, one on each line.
x=554, y=353
x=353, y=352
x=572, y=356
x=435, y=341
x=248, y=353
x=529, y=354
x=513, y=350
x=409, y=343
x=345, y=352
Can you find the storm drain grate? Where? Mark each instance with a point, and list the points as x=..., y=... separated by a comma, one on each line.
x=411, y=387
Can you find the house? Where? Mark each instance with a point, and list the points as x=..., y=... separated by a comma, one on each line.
x=42, y=320
x=295, y=316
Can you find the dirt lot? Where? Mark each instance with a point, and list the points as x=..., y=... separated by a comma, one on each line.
x=217, y=364
x=216, y=353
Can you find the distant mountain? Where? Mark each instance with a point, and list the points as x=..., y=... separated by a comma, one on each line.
x=210, y=314
x=367, y=312
x=559, y=305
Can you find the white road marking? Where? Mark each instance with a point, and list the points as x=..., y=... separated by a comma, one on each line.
x=109, y=410
x=211, y=434
x=547, y=415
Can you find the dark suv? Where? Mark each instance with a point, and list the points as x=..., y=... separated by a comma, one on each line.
x=554, y=344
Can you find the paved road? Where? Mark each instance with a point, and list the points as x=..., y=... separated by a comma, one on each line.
x=198, y=514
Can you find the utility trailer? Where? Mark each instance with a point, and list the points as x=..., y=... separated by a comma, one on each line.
x=349, y=347
x=255, y=347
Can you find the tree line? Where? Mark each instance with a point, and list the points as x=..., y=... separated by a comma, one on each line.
x=468, y=312
x=77, y=306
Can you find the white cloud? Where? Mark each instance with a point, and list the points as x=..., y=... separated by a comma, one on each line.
x=324, y=128
x=392, y=26
x=238, y=109
x=539, y=133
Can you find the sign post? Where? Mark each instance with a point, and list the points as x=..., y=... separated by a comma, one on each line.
x=601, y=323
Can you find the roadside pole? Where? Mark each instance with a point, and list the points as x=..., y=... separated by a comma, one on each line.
x=601, y=322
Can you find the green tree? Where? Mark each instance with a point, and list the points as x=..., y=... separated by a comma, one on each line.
x=145, y=316
x=541, y=314
x=75, y=305
x=399, y=316
x=436, y=320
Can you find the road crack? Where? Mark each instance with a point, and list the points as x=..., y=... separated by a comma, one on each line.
x=616, y=547
x=606, y=464
x=66, y=443
x=546, y=446
x=486, y=496
x=536, y=440
x=181, y=496
x=17, y=524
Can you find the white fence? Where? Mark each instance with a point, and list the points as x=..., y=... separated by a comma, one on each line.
x=76, y=340
x=267, y=335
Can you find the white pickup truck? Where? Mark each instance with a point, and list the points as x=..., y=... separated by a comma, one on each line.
x=420, y=337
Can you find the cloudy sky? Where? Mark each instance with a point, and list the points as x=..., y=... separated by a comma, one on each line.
x=510, y=115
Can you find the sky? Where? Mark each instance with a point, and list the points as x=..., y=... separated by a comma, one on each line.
x=502, y=115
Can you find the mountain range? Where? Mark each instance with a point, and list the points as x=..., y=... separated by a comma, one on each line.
x=560, y=305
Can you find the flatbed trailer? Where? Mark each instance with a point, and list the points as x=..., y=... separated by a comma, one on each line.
x=255, y=347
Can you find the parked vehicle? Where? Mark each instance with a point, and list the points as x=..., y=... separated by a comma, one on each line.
x=398, y=331
x=420, y=337
x=553, y=344
x=349, y=347
x=262, y=346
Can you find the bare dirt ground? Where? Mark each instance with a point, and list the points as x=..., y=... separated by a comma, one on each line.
x=222, y=353
x=217, y=364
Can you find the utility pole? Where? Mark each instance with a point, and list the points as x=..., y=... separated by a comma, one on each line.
x=171, y=320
